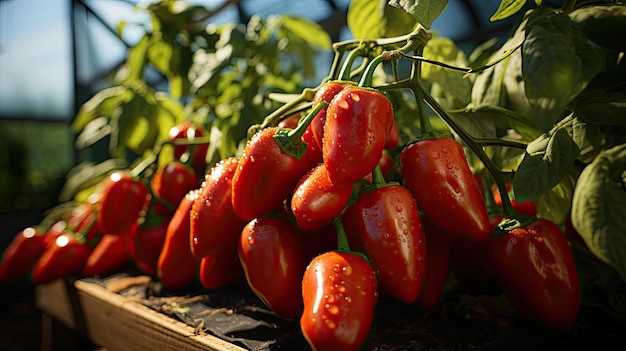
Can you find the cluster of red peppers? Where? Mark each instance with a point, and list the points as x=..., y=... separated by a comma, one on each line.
x=307, y=216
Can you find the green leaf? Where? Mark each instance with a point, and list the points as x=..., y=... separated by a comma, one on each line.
x=137, y=58
x=307, y=31
x=424, y=11
x=557, y=65
x=507, y=9
x=103, y=103
x=454, y=83
x=599, y=207
x=138, y=127
x=604, y=25
x=87, y=174
x=555, y=204
x=501, y=117
x=548, y=159
x=601, y=107
x=369, y=19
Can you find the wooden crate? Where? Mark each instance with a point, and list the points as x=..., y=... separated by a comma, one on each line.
x=119, y=323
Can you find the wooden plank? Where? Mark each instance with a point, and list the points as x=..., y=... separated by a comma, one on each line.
x=118, y=323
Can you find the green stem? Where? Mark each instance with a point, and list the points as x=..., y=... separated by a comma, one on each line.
x=346, y=68
x=500, y=142
x=377, y=176
x=306, y=95
x=366, y=79
x=289, y=140
x=143, y=165
x=342, y=239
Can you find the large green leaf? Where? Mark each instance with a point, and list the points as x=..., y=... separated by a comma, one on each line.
x=604, y=25
x=454, y=84
x=599, y=207
x=308, y=31
x=557, y=65
x=548, y=159
x=370, y=19
x=601, y=107
x=424, y=11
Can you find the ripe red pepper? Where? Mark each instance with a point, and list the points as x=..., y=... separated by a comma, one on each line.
x=389, y=226
x=316, y=200
x=177, y=267
x=122, y=200
x=267, y=173
x=438, y=175
x=220, y=268
x=438, y=246
x=273, y=261
x=358, y=121
x=325, y=93
x=170, y=184
x=536, y=271
x=109, y=255
x=20, y=256
x=147, y=243
x=393, y=138
x=213, y=222
x=82, y=219
x=339, y=290
x=62, y=258
x=189, y=131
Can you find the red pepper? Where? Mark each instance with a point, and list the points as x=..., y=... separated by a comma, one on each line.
x=170, y=184
x=316, y=200
x=339, y=290
x=122, y=200
x=220, y=268
x=325, y=93
x=177, y=267
x=536, y=271
x=438, y=175
x=147, y=243
x=109, y=255
x=358, y=121
x=267, y=174
x=273, y=260
x=189, y=131
x=388, y=224
x=438, y=246
x=62, y=258
x=22, y=253
x=82, y=219
x=213, y=222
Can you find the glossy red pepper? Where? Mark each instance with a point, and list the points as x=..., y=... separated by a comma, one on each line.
x=438, y=246
x=388, y=224
x=213, y=222
x=438, y=175
x=20, y=256
x=122, y=200
x=220, y=268
x=170, y=184
x=266, y=175
x=177, y=267
x=358, y=121
x=82, y=219
x=273, y=260
x=316, y=200
x=147, y=243
x=190, y=131
x=339, y=290
x=109, y=255
x=62, y=258
x=536, y=271
x=325, y=93
x=524, y=208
